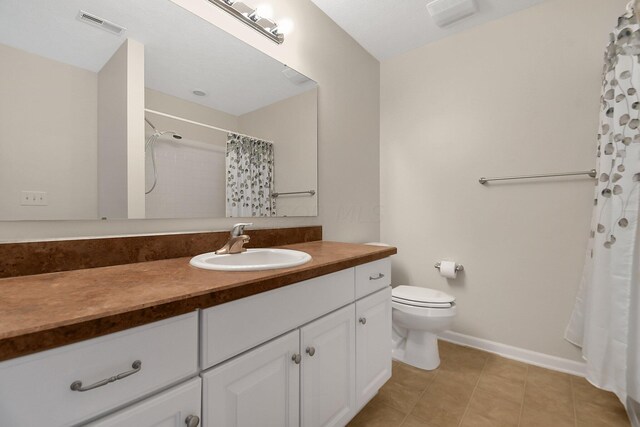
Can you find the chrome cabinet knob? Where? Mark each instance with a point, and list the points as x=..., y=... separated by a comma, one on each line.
x=296, y=358
x=192, y=421
x=363, y=320
x=311, y=351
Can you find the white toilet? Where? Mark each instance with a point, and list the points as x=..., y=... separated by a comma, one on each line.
x=419, y=314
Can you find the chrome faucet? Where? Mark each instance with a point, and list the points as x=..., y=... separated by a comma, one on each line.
x=237, y=240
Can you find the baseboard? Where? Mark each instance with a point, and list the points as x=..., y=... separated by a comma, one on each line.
x=520, y=354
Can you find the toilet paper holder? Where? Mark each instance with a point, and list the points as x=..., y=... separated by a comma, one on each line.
x=459, y=267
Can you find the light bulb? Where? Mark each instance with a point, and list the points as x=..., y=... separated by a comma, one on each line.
x=285, y=26
x=265, y=11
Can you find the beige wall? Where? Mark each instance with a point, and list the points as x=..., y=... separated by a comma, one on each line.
x=519, y=95
x=348, y=143
x=48, y=137
x=292, y=125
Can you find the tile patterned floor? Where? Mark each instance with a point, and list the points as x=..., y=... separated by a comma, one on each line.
x=475, y=388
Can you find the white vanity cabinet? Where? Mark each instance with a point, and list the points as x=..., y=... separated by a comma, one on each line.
x=310, y=354
x=316, y=375
x=313, y=366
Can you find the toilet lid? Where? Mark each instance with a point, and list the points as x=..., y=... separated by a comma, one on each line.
x=415, y=295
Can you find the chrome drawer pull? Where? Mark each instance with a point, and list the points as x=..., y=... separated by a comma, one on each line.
x=296, y=358
x=380, y=276
x=363, y=320
x=311, y=351
x=77, y=385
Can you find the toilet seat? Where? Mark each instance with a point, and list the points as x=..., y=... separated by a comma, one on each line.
x=421, y=304
x=415, y=296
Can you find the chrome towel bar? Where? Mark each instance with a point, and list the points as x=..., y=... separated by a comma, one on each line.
x=309, y=192
x=591, y=173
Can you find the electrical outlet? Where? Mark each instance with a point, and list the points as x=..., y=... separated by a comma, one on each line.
x=34, y=198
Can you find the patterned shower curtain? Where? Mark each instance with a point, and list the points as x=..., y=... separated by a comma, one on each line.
x=249, y=164
x=605, y=321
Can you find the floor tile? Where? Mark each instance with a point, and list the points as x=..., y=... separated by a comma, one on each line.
x=596, y=407
x=584, y=391
x=549, y=399
x=474, y=388
x=443, y=403
x=412, y=421
x=375, y=414
x=594, y=415
x=548, y=379
x=398, y=397
x=508, y=389
x=410, y=377
x=534, y=417
x=446, y=349
x=487, y=410
x=505, y=368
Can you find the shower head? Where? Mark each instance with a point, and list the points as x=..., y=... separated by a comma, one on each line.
x=160, y=133
x=169, y=133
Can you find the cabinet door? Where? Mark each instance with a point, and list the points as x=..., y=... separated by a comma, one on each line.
x=328, y=369
x=373, y=344
x=172, y=408
x=258, y=388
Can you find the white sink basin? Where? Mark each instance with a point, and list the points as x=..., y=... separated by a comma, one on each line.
x=251, y=260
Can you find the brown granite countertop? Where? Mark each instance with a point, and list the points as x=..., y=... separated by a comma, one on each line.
x=44, y=311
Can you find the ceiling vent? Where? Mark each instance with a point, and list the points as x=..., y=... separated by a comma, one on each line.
x=109, y=26
x=446, y=12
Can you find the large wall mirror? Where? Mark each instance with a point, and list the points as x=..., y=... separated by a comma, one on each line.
x=140, y=109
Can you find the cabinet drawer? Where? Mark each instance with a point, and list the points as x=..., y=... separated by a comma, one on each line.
x=35, y=390
x=170, y=408
x=237, y=326
x=372, y=277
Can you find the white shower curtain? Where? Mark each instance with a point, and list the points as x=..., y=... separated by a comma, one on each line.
x=250, y=177
x=605, y=320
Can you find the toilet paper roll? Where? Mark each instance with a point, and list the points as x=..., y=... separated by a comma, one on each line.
x=448, y=269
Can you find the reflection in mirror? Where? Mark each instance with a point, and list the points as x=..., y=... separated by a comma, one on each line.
x=141, y=109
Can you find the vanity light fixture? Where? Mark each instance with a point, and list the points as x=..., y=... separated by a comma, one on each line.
x=252, y=18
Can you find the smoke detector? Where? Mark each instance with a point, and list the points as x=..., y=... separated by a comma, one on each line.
x=103, y=24
x=446, y=12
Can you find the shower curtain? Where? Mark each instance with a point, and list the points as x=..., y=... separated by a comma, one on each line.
x=605, y=320
x=250, y=173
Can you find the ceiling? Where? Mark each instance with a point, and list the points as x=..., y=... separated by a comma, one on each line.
x=387, y=28
x=182, y=51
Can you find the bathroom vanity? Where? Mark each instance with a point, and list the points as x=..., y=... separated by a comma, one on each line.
x=308, y=345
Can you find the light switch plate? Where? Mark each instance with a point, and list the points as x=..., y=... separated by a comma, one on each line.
x=34, y=198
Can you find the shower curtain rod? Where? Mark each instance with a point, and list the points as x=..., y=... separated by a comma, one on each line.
x=182, y=119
